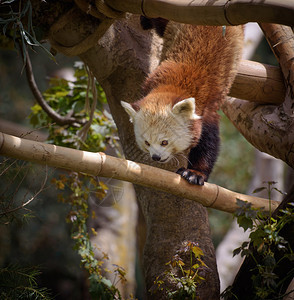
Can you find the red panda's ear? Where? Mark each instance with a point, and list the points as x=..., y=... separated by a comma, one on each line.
x=186, y=108
x=129, y=109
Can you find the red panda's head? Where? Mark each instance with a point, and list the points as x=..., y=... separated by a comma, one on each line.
x=162, y=128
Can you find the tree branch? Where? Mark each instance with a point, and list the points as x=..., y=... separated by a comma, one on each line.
x=270, y=128
x=258, y=82
x=281, y=41
x=60, y=120
x=222, y=12
x=100, y=164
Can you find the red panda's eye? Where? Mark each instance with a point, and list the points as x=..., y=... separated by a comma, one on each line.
x=147, y=144
x=164, y=143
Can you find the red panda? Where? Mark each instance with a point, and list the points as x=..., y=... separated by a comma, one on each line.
x=181, y=97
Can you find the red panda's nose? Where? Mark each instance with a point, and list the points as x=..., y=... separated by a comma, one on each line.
x=156, y=157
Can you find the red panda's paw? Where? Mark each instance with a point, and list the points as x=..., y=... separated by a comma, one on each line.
x=192, y=176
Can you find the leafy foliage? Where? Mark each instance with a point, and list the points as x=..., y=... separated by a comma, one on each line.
x=186, y=277
x=69, y=97
x=267, y=248
x=100, y=287
x=21, y=283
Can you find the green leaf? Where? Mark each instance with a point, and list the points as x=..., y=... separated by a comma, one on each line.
x=36, y=109
x=61, y=94
x=237, y=251
x=257, y=237
x=251, y=214
x=245, y=222
x=279, y=191
x=258, y=190
x=269, y=261
x=241, y=203
x=197, y=251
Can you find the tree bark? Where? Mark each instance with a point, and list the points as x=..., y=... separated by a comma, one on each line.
x=259, y=83
x=281, y=41
x=270, y=128
x=267, y=168
x=120, y=61
x=130, y=54
x=207, y=12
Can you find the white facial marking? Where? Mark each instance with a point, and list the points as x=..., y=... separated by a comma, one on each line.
x=164, y=133
x=156, y=128
x=129, y=109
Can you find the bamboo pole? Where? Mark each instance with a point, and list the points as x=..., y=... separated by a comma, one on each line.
x=258, y=82
x=100, y=164
x=207, y=12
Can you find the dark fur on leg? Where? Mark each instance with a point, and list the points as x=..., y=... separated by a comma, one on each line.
x=202, y=157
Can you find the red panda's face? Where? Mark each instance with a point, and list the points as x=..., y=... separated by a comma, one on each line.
x=165, y=131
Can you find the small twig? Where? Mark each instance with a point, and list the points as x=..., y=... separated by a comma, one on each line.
x=91, y=110
x=4, y=171
x=23, y=205
x=60, y=120
x=11, y=181
x=16, y=189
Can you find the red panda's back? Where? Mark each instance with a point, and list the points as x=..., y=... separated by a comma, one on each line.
x=202, y=60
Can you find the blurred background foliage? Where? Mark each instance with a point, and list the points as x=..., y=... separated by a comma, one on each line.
x=39, y=235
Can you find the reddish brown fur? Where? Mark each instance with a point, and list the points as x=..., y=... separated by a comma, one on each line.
x=201, y=63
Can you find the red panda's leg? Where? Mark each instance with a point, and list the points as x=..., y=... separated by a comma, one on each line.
x=203, y=156
x=192, y=176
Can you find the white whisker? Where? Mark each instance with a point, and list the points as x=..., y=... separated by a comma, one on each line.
x=177, y=162
x=185, y=157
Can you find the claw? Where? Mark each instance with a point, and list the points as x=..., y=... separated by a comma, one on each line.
x=193, y=177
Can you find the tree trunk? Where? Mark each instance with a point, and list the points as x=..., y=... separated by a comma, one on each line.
x=120, y=62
